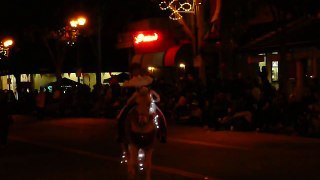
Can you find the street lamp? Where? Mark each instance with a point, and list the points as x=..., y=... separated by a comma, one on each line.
x=81, y=21
x=75, y=32
x=151, y=69
x=8, y=42
x=182, y=66
x=4, y=50
x=70, y=32
x=4, y=46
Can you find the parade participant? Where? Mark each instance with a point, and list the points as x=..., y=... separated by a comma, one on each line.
x=140, y=81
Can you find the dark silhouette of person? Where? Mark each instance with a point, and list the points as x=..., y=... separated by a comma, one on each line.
x=40, y=103
x=5, y=120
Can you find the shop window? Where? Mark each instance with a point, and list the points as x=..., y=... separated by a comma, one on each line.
x=275, y=71
x=25, y=77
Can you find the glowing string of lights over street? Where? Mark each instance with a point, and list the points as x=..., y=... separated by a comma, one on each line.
x=177, y=7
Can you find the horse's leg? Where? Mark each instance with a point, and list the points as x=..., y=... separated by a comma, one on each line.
x=148, y=162
x=132, y=161
x=125, y=153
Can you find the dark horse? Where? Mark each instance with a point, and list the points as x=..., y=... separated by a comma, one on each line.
x=140, y=133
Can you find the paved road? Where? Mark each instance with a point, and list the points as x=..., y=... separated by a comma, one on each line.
x=85, y=148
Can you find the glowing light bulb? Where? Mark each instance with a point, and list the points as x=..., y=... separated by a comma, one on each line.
x=82, y=21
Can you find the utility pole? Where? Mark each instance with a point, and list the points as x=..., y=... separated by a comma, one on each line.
x=194, y=30
x=198, y=34
x=101, y=8
x=99, y=63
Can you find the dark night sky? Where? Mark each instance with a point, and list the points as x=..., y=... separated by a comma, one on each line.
x=17, y=14
x=22, y=18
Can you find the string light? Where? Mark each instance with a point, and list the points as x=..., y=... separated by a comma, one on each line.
x=177, y=7
x=124, y=158
x=152, y=111
x=155, y=120
x=141, y=157
x=175, y=15
x=185, y=7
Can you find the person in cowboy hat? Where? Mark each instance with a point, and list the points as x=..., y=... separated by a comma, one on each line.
x=140, y=81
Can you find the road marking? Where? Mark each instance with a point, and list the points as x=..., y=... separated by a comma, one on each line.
x=179, y=172
x=192, y=142
x=163, y=169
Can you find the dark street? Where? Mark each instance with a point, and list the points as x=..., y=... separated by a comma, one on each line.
x=85, y=148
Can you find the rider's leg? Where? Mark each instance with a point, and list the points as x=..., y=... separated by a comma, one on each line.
x=121, y=121
x=162, y=125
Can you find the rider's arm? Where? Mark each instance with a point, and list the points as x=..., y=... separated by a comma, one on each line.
x=156, y=95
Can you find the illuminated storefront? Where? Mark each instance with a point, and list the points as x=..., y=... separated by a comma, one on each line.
x=41, y=80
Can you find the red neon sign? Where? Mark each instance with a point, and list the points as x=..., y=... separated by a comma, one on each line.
x=145, y=38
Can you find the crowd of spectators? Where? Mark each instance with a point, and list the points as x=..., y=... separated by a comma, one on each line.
x=237, y=103
x=244, y=104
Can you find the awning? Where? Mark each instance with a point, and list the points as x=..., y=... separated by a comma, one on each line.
x=300, y=33
x=179, y=54
x=170, y=57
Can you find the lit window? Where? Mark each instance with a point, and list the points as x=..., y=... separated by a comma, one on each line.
x=275, y=71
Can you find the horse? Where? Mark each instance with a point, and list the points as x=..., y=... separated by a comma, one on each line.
x=140, y=134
